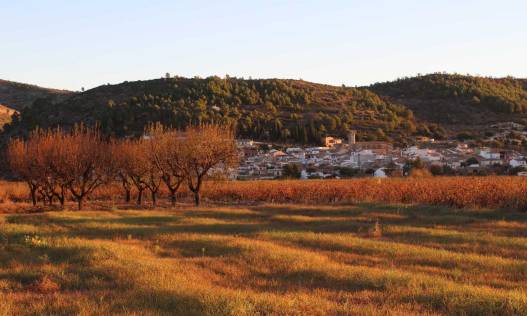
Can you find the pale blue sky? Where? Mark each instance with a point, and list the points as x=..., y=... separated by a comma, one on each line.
x=74, y=44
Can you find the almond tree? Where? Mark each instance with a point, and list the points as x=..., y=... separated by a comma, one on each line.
x=166, y=154
x=120, y=167
x=35, y=160
x=47, y=158
x=152, y=179
x=134, y=165
x=83, y=161
x=20, y=157
x=204, y=148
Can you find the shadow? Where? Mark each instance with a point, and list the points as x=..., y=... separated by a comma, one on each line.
x=158, y=302
x=202, y=248
x=78, y=263
x=46, y=219
x=224, y=215
x=348, y=219
x=285, y=282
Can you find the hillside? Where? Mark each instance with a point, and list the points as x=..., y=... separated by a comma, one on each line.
x=451, y=99
x=270, y=109
x=295, y=111
x=20, y=95
x=16, y=96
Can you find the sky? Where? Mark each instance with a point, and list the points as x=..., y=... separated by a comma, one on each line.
x=74, y=44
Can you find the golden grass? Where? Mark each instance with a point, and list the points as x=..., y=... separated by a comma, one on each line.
x=265, y=259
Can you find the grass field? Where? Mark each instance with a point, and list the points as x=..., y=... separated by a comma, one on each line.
x=266, y=259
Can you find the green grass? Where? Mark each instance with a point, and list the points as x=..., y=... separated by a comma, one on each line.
x=270, y=259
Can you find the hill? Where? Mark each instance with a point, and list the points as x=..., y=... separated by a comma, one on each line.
x=451, y=99
x=20, y=95
x=294, y=111
x=266, y=109
x=16, y=96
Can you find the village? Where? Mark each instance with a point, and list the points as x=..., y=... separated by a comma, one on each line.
x=342, y=158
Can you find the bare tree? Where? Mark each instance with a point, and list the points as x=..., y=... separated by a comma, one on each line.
x=120, y=167
x=83, y=161
x=36, y=161
x=165, y=152
x=203, y=149
x=135, y=165
x=153, y=174
x=55, y=162
x=47, y=158
x=20, y=157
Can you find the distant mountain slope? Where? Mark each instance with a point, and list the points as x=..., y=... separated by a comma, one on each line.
x=267, y=109
x=19, y=95
x=458, y=99
x=437, y=105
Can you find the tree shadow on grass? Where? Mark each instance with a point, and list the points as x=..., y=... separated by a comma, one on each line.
x=79, y=269
x=348, y=219
x=225, y=215
x=300, y=280
x=46, y=219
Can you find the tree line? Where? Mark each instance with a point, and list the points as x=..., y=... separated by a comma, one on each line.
x=58, y=164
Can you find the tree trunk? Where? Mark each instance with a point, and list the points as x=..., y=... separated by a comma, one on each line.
x=79, y=203
x=197, y=198
x=173, y=198
x=127, y=195
x=33, y=195
x=43, y=198
x=154, y=199
x=62, y=196
x=61, y=201
x=139, y=196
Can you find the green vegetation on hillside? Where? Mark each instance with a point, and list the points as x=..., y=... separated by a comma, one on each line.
x=435, y=105
x=278, y=110
x=462, y=102
x=507, y=95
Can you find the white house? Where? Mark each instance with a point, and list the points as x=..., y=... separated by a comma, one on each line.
x=517, y=162
x=379, y=173
x=490, y=155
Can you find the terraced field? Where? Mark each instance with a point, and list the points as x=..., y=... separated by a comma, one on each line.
x=268, y=259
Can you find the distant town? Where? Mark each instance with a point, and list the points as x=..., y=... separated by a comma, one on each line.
x=343, y=158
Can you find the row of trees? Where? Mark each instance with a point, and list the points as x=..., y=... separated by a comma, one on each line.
x=56, y=164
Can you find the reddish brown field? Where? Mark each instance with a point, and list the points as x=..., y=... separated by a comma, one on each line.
x=460, y=192
x=484, y=192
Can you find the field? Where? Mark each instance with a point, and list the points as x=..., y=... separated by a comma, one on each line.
x=372, y=259
x=461, y=192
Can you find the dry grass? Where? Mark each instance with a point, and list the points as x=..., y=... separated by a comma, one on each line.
x=265, y=259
